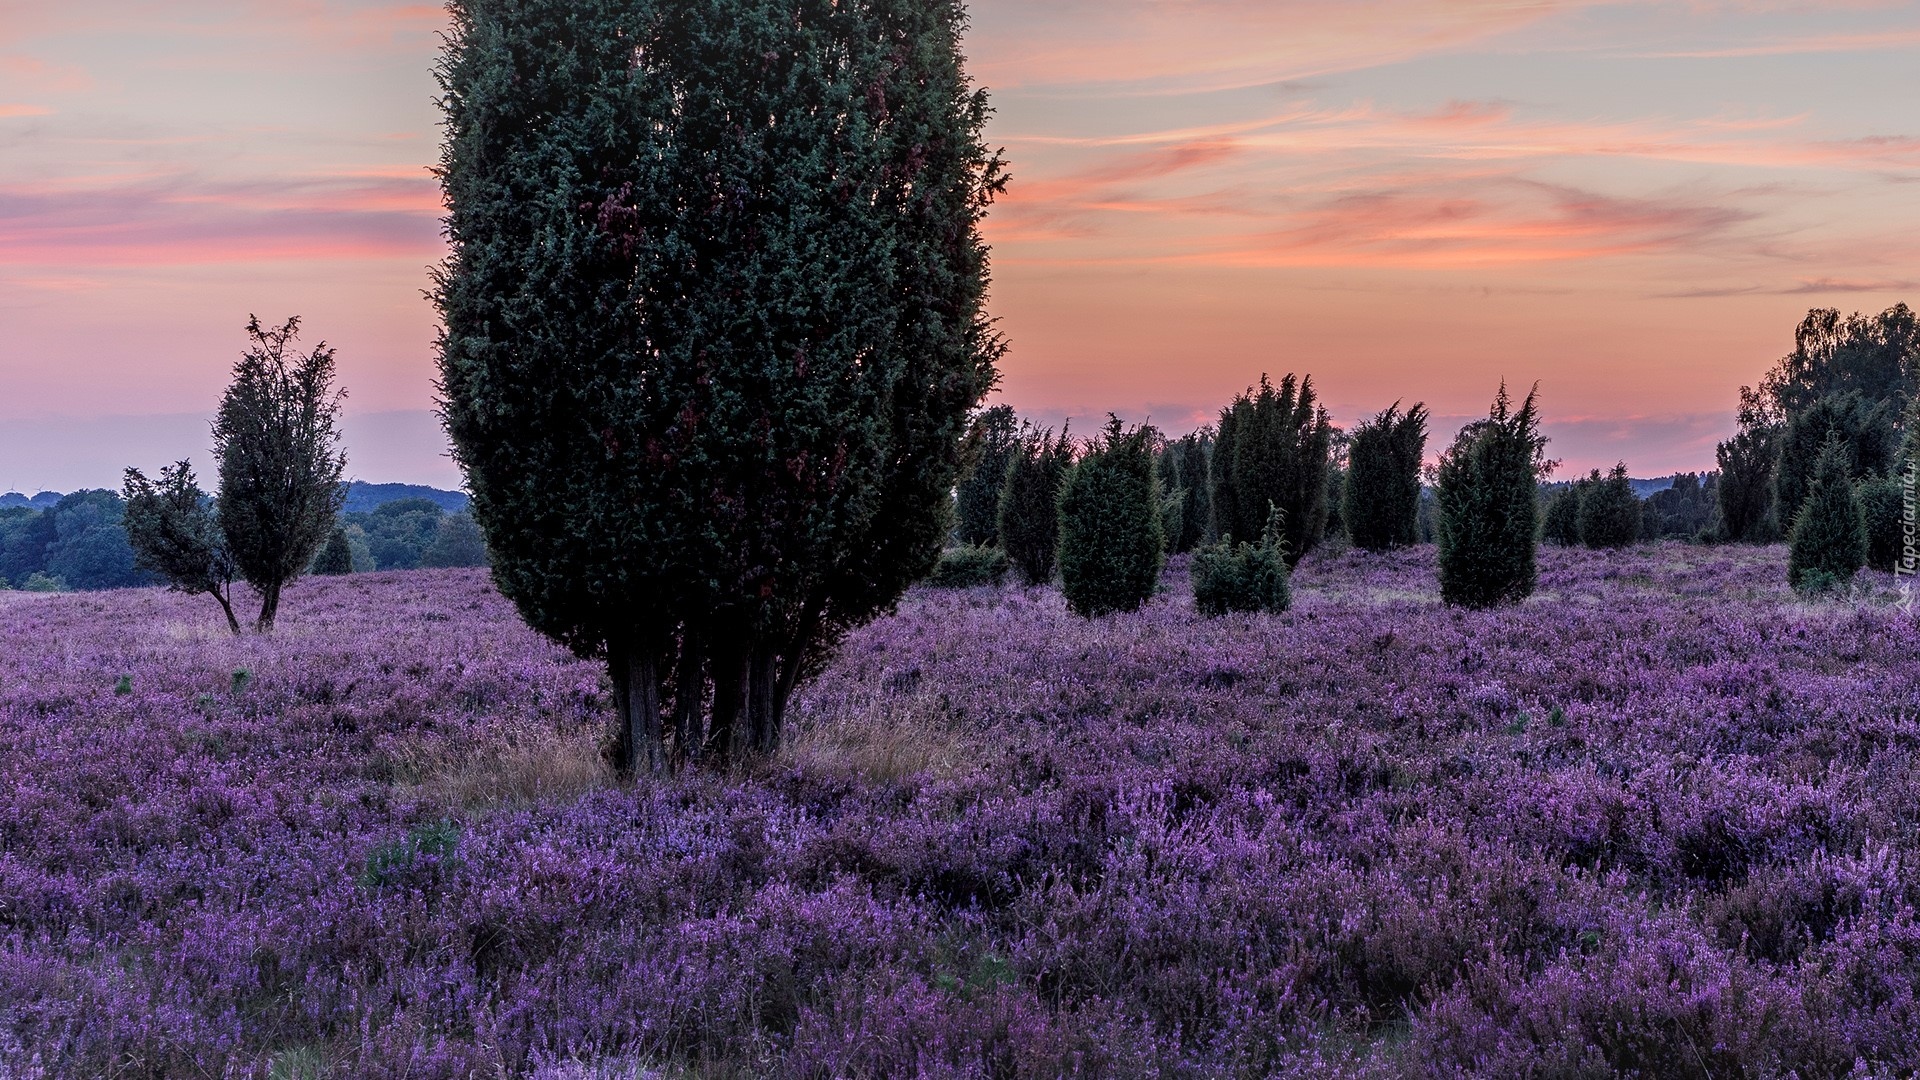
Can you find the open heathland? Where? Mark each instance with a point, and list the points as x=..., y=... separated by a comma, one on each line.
x=1658, y=820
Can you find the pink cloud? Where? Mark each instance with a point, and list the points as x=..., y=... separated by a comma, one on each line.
x=180, y=222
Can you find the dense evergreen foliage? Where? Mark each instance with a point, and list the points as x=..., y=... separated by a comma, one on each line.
x=1609, y=510
x=1829, y=538
x=1231, y=577
x=1111, y=544
x=1684, y=511
x=713, y=329
x=1030, y=503
x=336, y=556
x=991, y=442
x=174, y=533
x=1381, y=503
x=1272, y=449
x=1746, y=490
x=1561, y=521
x=969, y=567
x=1184, y=480
x=277, y=438
x=1864, y=431
x=1486, y=507
x=1883, y=511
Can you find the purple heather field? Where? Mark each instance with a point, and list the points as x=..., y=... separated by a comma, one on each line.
x=1660, y=821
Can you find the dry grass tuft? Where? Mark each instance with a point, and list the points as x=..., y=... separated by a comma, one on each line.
x=522, y=769
x=890, y=738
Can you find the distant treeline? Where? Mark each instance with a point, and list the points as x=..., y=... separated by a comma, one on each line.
x=54, y=542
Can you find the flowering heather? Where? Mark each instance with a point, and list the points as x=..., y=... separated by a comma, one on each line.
x=1659, y=820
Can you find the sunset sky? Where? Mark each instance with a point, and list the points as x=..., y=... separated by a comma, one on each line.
x=1631, y=203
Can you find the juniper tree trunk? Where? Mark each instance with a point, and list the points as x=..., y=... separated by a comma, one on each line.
x=636, y=695
x=763, y=684
x=732, y=672
x=226, y=605
x=689, y=699
x=269, y=608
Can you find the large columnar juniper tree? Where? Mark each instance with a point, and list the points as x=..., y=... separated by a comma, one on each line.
x=1829, y=542
x=1112, y=543
x=1487, y=507
x=1030, y=502
x=1609, y=510
x=277, y=436
x=714, y=324
x=1272, y=451
x=1863, y=429
x=1382, y=493
x=991, y=442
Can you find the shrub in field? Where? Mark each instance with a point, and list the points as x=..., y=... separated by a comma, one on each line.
x=457, y=541
x=991, y=443
x=1030, y=503
x=1183, y=476
x=1883, y=509
x=1829, y=541
x=43, y=582
x=709, y=382
x=277, y=437
x=1272, y=450
x=1244, y=577
x=969, y=567
x=1746, y=499
x=1562, y=523
x=1863, y=431
x=1487, y=508
x=336, y=557
x=1380, y=503
x=1609, y=510
x=174, y=532
x=1111, y=545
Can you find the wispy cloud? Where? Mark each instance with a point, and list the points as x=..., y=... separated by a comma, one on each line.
x=185, y=221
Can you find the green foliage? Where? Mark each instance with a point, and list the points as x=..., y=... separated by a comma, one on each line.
x=1183, y=476
x=1864, y=431
x=240, y=680
x=1683, y=511
x=89, y=549
x=1486, y=507
x=969, y=567
x=277, y=437
x=123, y=687
x=457, y=541
x=1883, y=507
x=174, y=532
x=39, y=581
x=1876, y=357
x=1030, y=503
x=1829, y=538
x=1562, y=521
x=1609, y=510
x=1381, y=504
x=1244, y=577
x=1111, y=544
x=336, y=558
x=1746, y=506
x=433, y=844
x=714, y=326
x=991, y=442
x=1272, y=449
